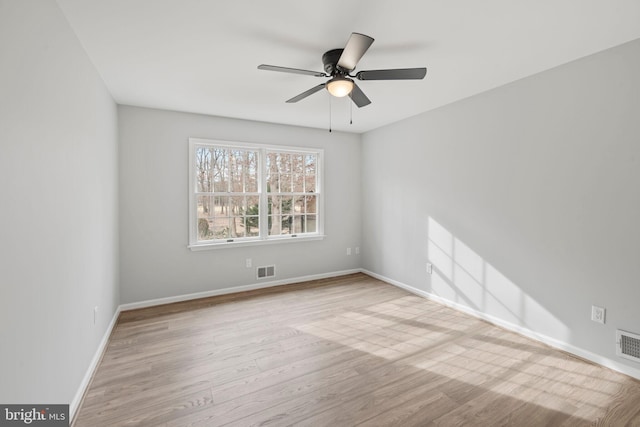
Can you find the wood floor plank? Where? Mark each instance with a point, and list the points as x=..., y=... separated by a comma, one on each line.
x=374, y=403
x=262, y=403
x=334, y=394
x=341, y=351
x=152, y=413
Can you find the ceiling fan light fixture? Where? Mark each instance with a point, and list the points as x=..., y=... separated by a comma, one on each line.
x=340, y=86
x=338, y=63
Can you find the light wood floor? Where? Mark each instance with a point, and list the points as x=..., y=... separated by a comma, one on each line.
x=341, y=352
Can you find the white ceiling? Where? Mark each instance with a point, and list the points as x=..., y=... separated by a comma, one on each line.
x=201, y=56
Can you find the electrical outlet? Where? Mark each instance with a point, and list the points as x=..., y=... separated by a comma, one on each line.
x=95, y=314
x=598, y=314
x=348, y=251
x=357, y=250
x=248, y=262
x=429, y=268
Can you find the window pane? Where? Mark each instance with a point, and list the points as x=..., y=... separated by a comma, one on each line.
x=286, y=224
x=297, y=163
x=235, y=171
x=251, y=172
x=221, y=206
x=298, y=173
x=273, y=183
x=275, y=207
x=297, y=183
x=309, y=184
x=311, y=202
x=310, y=164
x=299, y=205
x=238, y=205
x=285, y=183
x=204, y=229
x=272, y=172
x=220, y=228
x=220, y=169
x=275, y=225
x=203, y=169
x=204, y=206
x=279, y=169
x=238, y=218
x=253, y=205
x=311, y=224
x=252, y=226
x=280, y=224
x=252, y=221
x=284, y=163
x=287, y=204
x=236, y=226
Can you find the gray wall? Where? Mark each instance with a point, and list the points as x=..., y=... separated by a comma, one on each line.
x=525, y=198
x=58, y=238
x=154, y=259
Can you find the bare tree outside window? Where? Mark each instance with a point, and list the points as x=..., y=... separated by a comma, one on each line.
x=291, y=191
x=227, y=193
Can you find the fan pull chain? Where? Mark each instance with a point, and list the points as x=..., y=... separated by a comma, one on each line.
x=329, y=113
x=350, y=111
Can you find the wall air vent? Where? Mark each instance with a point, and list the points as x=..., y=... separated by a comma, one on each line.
x=628, y=345
x=267, y=271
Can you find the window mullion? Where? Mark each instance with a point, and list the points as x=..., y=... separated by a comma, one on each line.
x=262, y=189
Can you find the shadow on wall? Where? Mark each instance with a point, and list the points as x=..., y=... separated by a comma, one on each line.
x=462, y=276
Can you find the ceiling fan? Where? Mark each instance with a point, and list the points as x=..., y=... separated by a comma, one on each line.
x=340, y=63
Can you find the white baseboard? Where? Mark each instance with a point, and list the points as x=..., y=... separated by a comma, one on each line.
x=560, y=345
x=86, y=380
x=234, y=289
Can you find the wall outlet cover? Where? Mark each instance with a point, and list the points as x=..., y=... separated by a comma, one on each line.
x=429, y=268
x=598, y=314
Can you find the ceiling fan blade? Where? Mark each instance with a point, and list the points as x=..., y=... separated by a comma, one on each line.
x=306, y=93
x=291, y=70
x=356, y=46
x=395, y=74
x=358, y=97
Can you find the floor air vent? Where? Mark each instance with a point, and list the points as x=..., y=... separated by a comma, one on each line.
x=628, y=345
x=267, y=271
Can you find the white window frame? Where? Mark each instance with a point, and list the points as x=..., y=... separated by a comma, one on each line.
x=264, y=237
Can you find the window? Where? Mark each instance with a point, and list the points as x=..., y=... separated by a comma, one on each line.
x=248, y=193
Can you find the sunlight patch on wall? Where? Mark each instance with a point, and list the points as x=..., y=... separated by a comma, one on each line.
x=504, y=298
x=462, y=276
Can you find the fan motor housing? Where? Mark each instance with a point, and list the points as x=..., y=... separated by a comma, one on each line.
x=330, y=60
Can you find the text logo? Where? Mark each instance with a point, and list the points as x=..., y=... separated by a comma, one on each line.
x=34, y=415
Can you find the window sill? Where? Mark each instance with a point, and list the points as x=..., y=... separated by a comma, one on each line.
x=242, y=243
